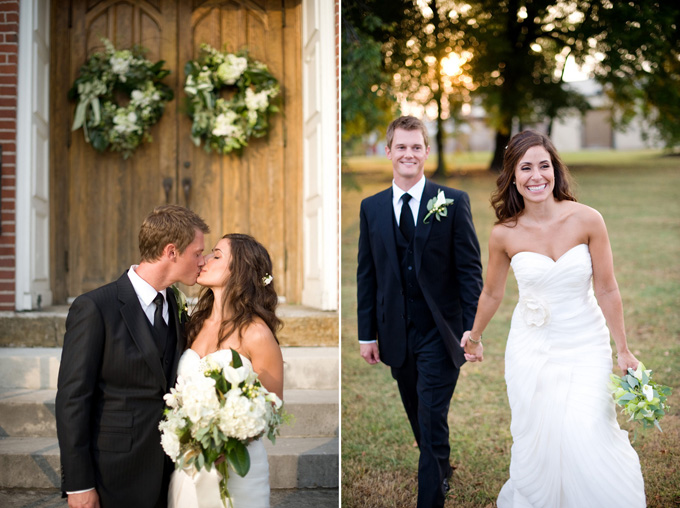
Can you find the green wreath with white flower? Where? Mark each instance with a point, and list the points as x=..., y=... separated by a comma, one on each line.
x=230, y=98
x=120, y=97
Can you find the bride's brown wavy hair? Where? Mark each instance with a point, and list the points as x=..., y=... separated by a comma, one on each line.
x=506, y=200
x=246, y=297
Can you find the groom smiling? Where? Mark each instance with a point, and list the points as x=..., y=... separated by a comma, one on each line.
x=121, y=348
x=419, y=278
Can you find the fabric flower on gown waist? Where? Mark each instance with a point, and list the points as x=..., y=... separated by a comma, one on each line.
x=535, y=310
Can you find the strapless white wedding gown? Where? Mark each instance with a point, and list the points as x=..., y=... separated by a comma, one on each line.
x=202, y=490
x=568, y=450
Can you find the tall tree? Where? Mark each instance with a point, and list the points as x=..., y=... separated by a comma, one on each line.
x=640, y=63
x=520, y=48
x=368, y=100
x=416, y=53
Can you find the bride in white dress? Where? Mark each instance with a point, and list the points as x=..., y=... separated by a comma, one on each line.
x=568, y=450
x=236, y=310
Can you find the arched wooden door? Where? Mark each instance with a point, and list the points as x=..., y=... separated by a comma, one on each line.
x=99, y=200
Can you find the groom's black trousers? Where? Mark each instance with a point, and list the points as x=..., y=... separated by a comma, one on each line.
x=426, y=382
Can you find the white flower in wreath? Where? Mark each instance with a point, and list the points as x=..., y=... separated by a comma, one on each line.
x=125, y=122
x=535, y=311
x=257, y=101
x=203, y=81
x=225, y=124
x=232, y=68
x=120, y=65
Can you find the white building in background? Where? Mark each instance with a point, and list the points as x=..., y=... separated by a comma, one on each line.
x=572, y=133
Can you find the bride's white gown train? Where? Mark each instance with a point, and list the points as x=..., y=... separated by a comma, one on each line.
x=568, y=450
x=202, y=490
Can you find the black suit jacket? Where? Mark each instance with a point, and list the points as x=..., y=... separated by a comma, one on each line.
x=110, y=397
x=447, y=264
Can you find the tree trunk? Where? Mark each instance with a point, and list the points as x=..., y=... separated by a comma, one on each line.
x=440, y=172
x=501, y=144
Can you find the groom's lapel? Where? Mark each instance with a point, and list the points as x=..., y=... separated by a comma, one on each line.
x=386, y=222
x=422, y=229
x=138, y=326
x=179, y=331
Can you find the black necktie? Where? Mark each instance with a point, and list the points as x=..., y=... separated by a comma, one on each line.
x=158, y=322
x=406, y=224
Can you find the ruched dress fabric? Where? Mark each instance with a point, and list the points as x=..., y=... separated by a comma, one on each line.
x=202, y=490
x=568, y=450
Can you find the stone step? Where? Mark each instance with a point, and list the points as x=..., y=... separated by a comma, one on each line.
x=37, y=368
x=316, y=413
x=280, y=498
x=30, y=413
x=27, y=413
x=33, y=463
x=303, y=462
x=30, y=368
x=302, y=326
x=311, y=368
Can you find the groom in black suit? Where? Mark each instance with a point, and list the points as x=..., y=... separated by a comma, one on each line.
x=121, y=349
x=418, y=283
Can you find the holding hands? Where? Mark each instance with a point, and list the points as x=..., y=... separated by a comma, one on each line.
x=474, y=350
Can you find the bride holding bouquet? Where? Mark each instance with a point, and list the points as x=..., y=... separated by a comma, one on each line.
x=230, y=384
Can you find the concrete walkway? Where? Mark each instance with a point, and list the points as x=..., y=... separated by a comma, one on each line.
x=283, y=498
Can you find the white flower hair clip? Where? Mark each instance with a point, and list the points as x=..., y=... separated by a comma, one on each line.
x=267, y=279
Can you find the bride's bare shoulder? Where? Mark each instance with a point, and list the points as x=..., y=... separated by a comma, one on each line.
x=257, y=338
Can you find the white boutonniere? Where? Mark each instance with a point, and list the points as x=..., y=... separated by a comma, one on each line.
x=181, y=299
x=437, y=206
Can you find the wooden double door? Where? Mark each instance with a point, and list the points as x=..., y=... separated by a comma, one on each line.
x=98, y=200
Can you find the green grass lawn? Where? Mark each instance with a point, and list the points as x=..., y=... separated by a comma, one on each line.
x=637, y=193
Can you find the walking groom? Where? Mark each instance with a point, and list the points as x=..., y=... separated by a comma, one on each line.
x=121, y=348
x=419, y=278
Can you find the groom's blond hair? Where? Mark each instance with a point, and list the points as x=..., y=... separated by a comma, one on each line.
x=407, y=123
x=168, y=224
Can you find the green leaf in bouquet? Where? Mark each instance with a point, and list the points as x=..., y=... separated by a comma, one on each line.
x=626, y=398
x=200, y=434
x=239, y=458
x=216, y=436
x=236, y=359
x=221, y=384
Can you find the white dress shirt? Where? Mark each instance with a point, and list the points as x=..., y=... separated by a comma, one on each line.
x=416, y=193
x=146, y=293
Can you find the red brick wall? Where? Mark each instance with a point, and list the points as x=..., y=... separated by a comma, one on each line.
x=9, y=36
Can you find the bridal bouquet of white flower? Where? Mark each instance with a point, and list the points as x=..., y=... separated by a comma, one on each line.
x=640, y=397
x=211, y=418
